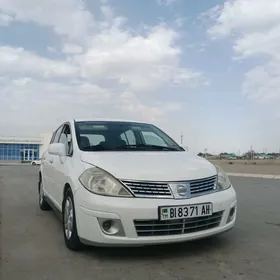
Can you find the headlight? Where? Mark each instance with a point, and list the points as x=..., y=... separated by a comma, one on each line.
x=223, y=180
x=100, y=182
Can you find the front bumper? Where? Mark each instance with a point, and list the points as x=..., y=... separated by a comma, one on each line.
x=90, y=208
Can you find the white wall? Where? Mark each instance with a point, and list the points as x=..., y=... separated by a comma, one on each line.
x=20, y=140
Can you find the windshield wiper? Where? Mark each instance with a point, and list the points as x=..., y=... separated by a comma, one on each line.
x=98, y=148
x=88, y=148
x=143, y=146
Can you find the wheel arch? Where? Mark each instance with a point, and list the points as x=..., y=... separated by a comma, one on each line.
x=66, y=188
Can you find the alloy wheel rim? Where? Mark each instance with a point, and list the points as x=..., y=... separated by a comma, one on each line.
x=68, y=218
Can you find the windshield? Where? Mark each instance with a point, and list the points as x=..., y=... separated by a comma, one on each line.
x=122, y=136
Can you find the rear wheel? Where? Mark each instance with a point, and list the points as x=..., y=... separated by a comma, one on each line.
x=42, y=199
x=71, y=238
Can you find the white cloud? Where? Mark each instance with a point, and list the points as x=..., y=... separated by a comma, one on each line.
x=180, y=21
x=45, y=102
x=142, y=62
x=254, y=25
x=66, y=17
x=49, y=103
x=244, y=16
x=165, y=2
x=5, y=19
x=107, y=11
x=256, y=43
x=18, y=61
x=130, y=103
x=104, y=69
x=72, y=49
x=112, y=52
x=34, y=90
x=262, y=83
x=52, y=49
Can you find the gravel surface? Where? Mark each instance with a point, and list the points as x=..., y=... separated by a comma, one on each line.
x=271, y=167
x=32, y=245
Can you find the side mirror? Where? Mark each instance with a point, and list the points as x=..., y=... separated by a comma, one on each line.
x=58, y=149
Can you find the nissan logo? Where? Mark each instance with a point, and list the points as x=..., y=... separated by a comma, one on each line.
x=182, y=190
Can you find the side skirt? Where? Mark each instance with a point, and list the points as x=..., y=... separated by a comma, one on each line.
x=55, y=209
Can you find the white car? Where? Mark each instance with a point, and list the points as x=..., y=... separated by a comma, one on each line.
x=36, y=162
x=125, y=183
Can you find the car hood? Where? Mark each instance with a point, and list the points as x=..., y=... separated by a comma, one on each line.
x=152, y=166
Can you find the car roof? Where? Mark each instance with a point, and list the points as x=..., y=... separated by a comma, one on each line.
x=107, y=120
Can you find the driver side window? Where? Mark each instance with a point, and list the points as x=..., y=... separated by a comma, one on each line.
x=66, y=138
x=151, y=138
x=56, y=135
x=128, y=137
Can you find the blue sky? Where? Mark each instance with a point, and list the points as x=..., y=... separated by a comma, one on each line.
x=208, y=69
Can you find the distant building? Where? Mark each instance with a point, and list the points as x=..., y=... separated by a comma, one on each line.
x=23, y=149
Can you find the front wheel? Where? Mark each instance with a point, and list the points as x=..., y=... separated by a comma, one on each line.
x=71, y=238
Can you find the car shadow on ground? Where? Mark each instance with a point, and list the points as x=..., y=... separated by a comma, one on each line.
x=226, y=241
x=161, y=252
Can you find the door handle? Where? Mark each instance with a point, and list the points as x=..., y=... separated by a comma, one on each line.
x=51, y=160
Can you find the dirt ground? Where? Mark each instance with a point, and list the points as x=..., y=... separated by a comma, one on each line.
x=271, y=167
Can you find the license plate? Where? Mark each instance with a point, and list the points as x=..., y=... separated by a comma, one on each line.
x=185, y=211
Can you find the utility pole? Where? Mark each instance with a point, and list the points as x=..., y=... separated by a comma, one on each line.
x=182, y=138
x=252, y=153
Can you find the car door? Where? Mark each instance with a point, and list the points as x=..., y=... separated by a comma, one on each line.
x=45, y=169
x=49, y=169
x=61, y=165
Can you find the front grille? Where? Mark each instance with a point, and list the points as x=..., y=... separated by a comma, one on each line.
x=178, y=226
x=162, y=189
x=200, y=186
x=149, y=189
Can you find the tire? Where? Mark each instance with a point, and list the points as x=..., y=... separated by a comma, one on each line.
x=43, y=204
x=33, y=163
x=71, y=238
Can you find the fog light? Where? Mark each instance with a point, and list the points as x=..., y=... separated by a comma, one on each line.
x=231, y=214
x=107, y=225
x=111, y=226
